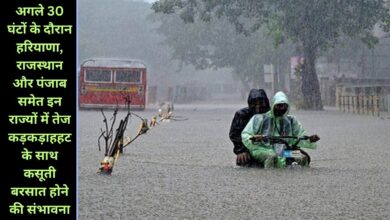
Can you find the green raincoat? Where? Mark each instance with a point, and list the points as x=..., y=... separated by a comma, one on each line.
x=270, y=125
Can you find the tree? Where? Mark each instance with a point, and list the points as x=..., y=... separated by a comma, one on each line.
x=120, y=29
x=314, y=25
x=216, y=44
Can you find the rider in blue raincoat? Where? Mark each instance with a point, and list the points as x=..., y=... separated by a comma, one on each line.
x=275, y=122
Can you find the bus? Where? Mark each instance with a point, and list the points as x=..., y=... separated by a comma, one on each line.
x=104, y=83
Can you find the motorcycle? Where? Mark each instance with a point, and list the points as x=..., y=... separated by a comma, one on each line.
x=293, y=154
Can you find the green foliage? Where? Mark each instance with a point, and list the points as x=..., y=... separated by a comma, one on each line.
x=315, y=25
x=216, y=44
x=318, y=21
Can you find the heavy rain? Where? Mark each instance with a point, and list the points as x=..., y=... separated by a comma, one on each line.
x=191, y=66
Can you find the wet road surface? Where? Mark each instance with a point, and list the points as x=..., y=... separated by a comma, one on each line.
x=185, y=170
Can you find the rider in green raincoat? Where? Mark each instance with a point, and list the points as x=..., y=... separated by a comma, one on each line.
x=275, y=122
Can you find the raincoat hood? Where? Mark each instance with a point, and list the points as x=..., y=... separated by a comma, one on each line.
x=279, y=98
x=255, y=94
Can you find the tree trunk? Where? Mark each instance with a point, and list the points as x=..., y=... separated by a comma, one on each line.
x=310, y=84
x=246, y=87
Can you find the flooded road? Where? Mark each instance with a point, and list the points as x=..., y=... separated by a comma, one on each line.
x=185, y=170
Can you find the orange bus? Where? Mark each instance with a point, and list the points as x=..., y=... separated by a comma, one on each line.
x=104, y=83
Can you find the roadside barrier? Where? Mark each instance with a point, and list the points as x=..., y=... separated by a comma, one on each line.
x=368, y=104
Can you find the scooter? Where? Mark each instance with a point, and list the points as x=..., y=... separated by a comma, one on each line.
x=293, y=153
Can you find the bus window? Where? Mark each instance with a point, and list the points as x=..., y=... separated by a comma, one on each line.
x=97, y=75
x=128, y=76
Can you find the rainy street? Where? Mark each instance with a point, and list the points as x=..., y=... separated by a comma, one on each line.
x=206, y=56
x=186, y=170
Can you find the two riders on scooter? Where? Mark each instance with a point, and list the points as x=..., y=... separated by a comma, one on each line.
x=276, y=122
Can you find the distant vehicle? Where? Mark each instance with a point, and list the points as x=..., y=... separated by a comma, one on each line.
x=104, y=83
